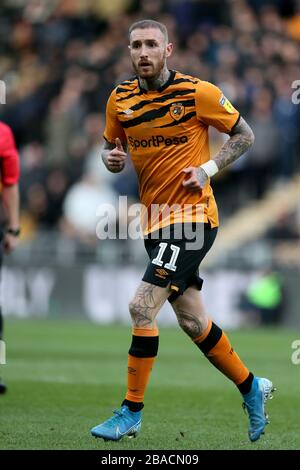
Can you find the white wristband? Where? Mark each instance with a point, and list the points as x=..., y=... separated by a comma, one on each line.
x=210, y=168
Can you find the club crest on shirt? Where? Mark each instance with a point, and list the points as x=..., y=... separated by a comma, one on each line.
x=226, y=104
x=177, y=111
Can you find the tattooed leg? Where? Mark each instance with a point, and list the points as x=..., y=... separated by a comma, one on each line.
x=190, y=313
x=146, y=304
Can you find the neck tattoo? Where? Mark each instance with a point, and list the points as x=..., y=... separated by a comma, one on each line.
x=157, y=82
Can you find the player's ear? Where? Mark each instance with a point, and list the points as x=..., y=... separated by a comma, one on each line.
x=169, y=49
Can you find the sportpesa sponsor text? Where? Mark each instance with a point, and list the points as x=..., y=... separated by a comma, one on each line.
x=156, y=141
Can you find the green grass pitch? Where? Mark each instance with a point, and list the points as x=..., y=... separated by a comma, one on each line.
x=64, y=377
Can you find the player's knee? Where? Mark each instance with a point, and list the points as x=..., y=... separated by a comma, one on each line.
x=187, y=326
x=192, y=325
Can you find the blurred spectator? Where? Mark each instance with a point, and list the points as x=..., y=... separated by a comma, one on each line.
x=262, y=155
x=287, y=118
x=263, y=299
x=80, y=207
x=285, y=228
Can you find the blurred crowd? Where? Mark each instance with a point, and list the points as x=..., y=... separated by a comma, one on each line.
x=60, y=59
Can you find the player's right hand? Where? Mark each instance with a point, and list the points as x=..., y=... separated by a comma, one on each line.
x=116, y=158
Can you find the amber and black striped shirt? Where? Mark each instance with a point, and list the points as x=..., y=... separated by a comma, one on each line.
x=166, y=131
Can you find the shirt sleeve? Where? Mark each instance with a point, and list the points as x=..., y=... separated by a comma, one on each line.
x=9, y=158
x=214, y=109
x=113, y=127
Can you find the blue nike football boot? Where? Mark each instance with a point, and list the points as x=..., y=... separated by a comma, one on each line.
x=123, y=423
x=254, y=404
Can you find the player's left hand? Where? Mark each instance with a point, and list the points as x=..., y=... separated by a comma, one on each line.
x=197, y=179
x=10, y=242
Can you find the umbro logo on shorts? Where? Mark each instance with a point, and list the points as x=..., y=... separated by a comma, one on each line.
x=162, y=273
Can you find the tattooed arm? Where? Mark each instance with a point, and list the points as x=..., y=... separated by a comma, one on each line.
x=114, y=155
x=241, y=138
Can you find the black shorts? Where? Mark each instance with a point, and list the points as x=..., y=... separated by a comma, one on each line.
x=176, y=256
